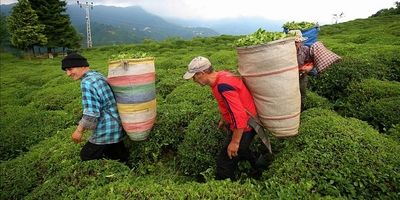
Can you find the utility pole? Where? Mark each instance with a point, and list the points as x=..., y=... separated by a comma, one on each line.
x=336, y=17
x=88, y=32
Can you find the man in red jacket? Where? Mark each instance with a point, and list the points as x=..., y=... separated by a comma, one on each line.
x=234, y=102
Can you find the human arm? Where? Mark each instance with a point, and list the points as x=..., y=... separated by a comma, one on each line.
x=86, y=123
x=237, y=116
x=304, y=60
x=233, y=146
x=91, y=111
x=221, y=123
x=77, y=134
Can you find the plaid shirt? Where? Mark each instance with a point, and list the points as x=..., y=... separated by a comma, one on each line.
x=98, y=105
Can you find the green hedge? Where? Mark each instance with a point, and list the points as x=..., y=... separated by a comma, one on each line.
x=56, y=97
x=344, y=158
x=168, y=132
x=334, y=81
x=22, y=175
x=382, y=114
x=24, y=126
x=89, y=175
x=313, y=100
x=394, y=132
x=168, y=79
x=191, y=92
x=202, y=141
x=367, y=90
x=332, y=157
x=374, y=101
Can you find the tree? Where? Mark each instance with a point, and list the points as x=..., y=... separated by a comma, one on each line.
x=24, y=27
x=390, y=11
x=72, y=39
x=4, y=36
x=58, y=28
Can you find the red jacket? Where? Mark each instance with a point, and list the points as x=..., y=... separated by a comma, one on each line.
x=233, y=99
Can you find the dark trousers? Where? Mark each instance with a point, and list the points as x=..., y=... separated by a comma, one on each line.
x=303, y=88
x=116, y=151
x=226, y=167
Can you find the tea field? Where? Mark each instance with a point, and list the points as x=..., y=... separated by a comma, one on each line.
x=348, y=145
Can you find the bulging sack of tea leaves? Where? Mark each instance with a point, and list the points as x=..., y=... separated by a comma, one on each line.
x=271, y=74
x=133, y=84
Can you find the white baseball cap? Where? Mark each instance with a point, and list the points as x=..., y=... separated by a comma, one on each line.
x=298, y=35
x=198, y=64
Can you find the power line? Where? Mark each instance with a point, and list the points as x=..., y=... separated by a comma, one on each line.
x=88, y=7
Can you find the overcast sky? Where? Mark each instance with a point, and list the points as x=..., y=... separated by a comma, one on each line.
x=285, y=10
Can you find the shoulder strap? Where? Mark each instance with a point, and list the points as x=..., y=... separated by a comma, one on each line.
x=259, y=128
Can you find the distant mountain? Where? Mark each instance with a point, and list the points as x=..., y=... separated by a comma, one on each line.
x=116, y=25
x=233, y=26
x=133, y=23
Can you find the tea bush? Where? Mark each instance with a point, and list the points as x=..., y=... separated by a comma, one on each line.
x=382, y=114
x=391, y=60
x=16, y=93
x=201, y=144
x=370, y=89
x=394, y=132
x=174, y=115
x=171, y=62
x=148, y=188
x=332, y=157
x=167, y=133
x=55, y=98
x=168, y=80
x=75, y=108
x=224, y=59
x=370, y=28
x=21, y=175
x=377, y=56
x=332, y=83
x=343, y=157
x=24, y=126
x=313, y=100
x=190, y=92
x=374, y=101
x=83, y=175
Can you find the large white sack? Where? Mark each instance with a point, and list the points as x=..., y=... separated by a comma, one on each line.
x=270, y=72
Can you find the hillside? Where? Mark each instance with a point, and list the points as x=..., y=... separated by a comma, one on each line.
x=116, y=25
x=233, y=26
x=347, y=147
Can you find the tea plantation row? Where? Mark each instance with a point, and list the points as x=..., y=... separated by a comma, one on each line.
x=334, y=156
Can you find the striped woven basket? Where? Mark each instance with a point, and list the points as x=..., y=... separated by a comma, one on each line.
x=133, y=84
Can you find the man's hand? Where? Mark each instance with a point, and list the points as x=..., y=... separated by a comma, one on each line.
x=306, y=68
x=233, y=148
x=77, y=134
x=221, y=124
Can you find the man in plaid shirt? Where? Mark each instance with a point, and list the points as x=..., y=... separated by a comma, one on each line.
x=99, y=113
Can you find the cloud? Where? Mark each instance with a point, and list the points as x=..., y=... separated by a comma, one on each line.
x=284, y=10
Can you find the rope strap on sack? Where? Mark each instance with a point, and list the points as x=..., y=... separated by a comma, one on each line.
x=259, y=129
x=270, y=72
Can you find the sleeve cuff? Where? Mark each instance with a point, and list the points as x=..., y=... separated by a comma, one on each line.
x=313, y=72
x=88, y=122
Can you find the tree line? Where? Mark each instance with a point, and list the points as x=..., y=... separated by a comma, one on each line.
x=42, y=23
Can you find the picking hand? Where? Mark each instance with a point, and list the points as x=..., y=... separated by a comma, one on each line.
x=306, y=68
x=232, y=150
x=221, y=124
x=77, y=136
